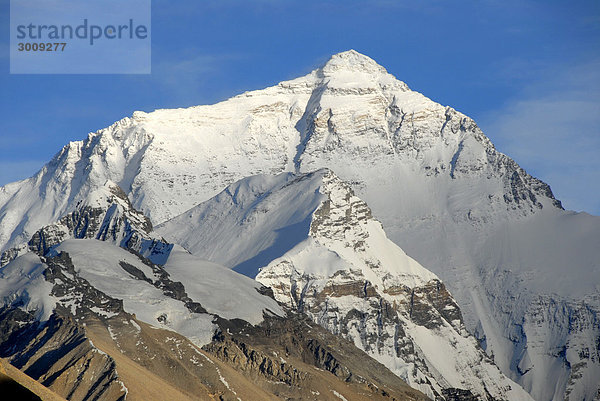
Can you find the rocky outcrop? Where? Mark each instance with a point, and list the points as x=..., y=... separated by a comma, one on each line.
x=312, y=363
x=59, y=356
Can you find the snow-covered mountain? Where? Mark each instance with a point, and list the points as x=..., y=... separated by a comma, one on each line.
x=93, y=321
x=524, y=271
x=327, y=257
x=108, y=243
x=107, y=215
x=84, y=313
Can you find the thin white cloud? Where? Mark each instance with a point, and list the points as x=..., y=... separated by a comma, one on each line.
x=183, y=77
x=552, y=129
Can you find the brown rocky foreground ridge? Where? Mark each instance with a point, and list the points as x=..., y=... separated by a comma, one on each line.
x=16, y=385
x=120, y=358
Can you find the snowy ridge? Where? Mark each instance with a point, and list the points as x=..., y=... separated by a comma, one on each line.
x=221, y=291
x=251, y=222
x=107, y=215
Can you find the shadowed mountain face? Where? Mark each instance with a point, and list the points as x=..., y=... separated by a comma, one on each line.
x=14, y=390
x=523, y=270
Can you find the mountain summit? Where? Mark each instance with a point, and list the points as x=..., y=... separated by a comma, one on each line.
x=523, y=270
x=351, y=61
x=170, y=160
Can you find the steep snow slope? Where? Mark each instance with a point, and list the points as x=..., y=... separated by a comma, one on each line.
x=329, y=258
x=101, y=265
x=441, y=190
x=222, y=292
x=251, y=222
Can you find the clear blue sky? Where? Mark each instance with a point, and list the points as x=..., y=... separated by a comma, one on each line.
x=527, y=71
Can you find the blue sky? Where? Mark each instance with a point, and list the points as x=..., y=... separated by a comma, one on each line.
x=527, y=71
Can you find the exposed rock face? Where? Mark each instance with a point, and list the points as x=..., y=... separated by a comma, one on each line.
x=120, y=358
x=297, y=359
x=107, y=215
x=59, y=356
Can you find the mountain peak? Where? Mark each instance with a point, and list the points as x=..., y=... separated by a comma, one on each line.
x=351, y=60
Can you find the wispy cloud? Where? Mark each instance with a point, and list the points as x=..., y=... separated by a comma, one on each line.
x=183, y=76
x=552, y=128
x=514, y=71
x=193, y=67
